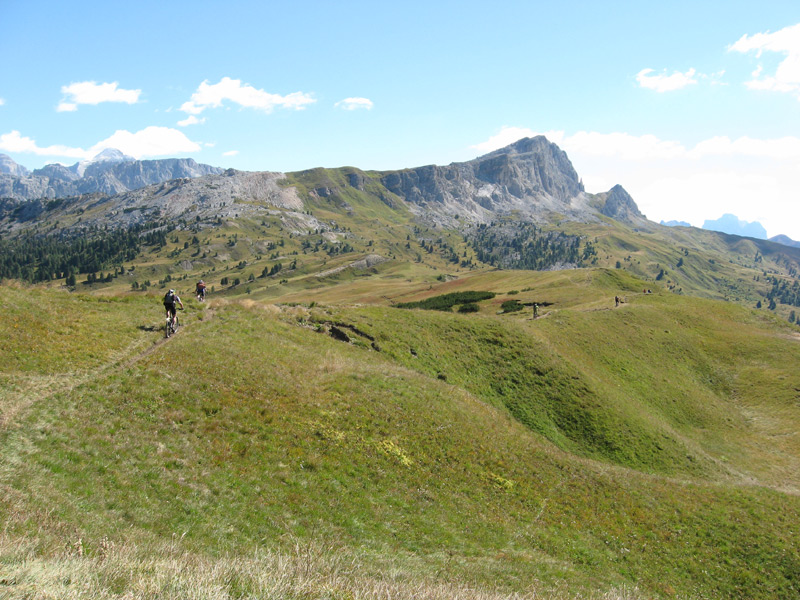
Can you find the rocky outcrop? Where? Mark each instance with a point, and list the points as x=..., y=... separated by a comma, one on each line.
x=229, y=194
x=9, y=167
x=532, y=177
x=105, y=176
x=529, y=181
x=620, y=206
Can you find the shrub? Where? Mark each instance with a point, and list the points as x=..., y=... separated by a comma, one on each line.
x=469, y=307
x=448, y=301
x=511, y=306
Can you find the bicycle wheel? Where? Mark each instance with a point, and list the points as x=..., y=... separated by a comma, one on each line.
x=168, y=328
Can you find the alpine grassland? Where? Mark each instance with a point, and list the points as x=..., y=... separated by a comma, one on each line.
x=289, y=443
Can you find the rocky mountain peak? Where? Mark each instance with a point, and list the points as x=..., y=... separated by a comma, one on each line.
x=620, y=206
x=531, y=176
x=111, y=154
x=9, y=166
x=108, y=155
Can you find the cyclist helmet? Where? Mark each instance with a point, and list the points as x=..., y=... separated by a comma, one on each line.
x=172, y=291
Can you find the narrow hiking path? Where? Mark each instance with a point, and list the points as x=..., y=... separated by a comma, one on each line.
x=20, y=391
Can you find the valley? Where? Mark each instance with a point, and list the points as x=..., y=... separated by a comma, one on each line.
x=305, y=436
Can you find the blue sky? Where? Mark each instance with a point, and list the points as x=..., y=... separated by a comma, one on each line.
x=693, y=107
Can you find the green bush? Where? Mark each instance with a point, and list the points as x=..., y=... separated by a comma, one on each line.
x=511, y=306
x=469, y=307
x=446, y=302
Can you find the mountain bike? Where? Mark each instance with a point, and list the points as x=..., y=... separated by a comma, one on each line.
x=169, y=329
x=171, y=325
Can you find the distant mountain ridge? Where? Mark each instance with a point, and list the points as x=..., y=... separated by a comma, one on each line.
x=674, y=223
x=785, y=240
x=532, y=180
x=111, y=172
x=729, y=223
x=532, y=177
x=520, y=207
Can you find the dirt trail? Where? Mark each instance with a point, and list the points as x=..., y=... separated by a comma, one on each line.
x=22, y=391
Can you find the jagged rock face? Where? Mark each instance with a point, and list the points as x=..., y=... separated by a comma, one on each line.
x=529, y=181
x=57, y=172
x=620, y=206
x=532, y=166
x=32, y=187
x=106, y=177
x=229, y=194
x=10, y=167
x=532, y=176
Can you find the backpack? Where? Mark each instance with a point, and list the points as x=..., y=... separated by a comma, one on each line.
x=169, y=298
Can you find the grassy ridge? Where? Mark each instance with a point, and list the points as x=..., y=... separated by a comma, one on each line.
x=501, y=452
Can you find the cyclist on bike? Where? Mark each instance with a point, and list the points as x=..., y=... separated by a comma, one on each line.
x=170, y=300
x=201, y=290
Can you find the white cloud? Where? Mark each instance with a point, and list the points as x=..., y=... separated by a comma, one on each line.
x=2, y=101
x=354, y=104
x=191, y=120
x=230, y=153
x=662, y=82
x=91, y=92
x=787, y=75
x=620, y=145
x=213, y=96
x=507, y=135
x=625, y=146
x=14, y=141
x=785, y=148
x=151, y=141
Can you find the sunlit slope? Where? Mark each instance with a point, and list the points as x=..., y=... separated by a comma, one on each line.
x=693, y=261
x=502, y=450
x=272, y=252
x=660, y=383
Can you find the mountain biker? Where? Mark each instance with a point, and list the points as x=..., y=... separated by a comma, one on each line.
x=200, y=291
x=170, y=300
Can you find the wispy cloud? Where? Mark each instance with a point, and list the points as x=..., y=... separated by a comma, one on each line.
x=230, y=153
x=787, y=75
x=2, y=101
x=622, y=145
x=355, y=104
x=650, y=147
x=91, y=92
x=148, y=142
x=14, y=141
x=214, y=95
x=191, y=120
x=507, y=135
x=661, y=82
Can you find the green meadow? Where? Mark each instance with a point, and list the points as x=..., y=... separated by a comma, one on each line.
x=294, y=443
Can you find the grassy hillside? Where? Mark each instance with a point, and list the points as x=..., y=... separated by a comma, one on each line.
x=646, y=450
x=272, y=253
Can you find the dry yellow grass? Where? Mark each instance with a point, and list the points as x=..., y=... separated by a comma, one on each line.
x=310, y=571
